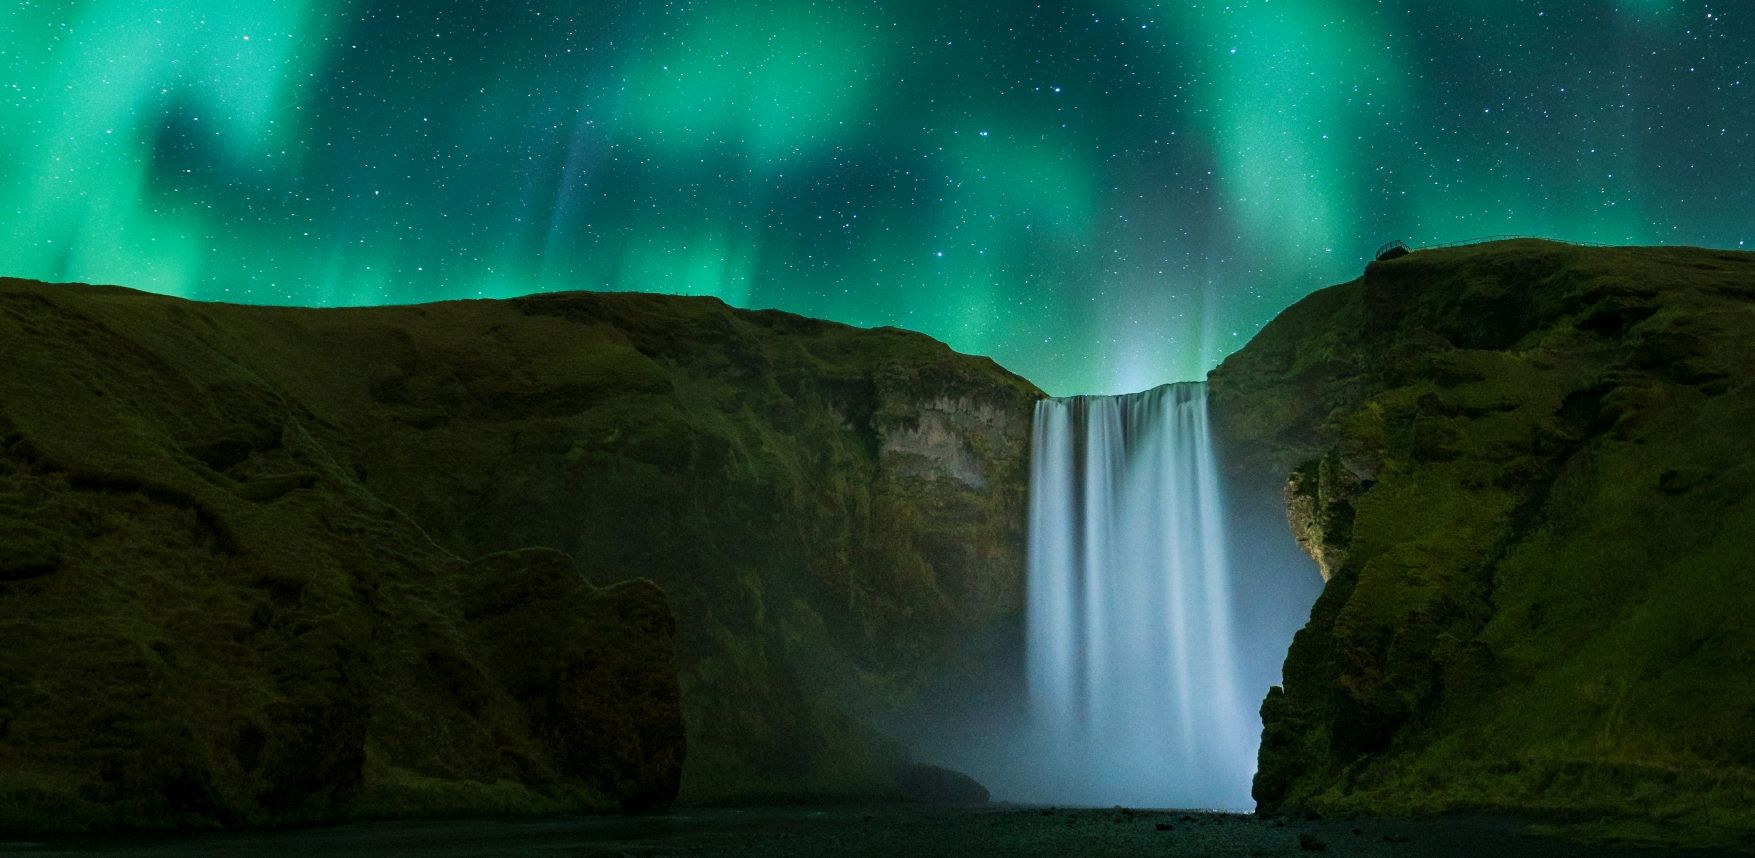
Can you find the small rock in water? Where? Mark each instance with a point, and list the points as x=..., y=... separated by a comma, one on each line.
x=1310, y=843
x=1165, y=826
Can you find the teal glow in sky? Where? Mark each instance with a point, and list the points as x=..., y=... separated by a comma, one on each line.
x=1102, y=195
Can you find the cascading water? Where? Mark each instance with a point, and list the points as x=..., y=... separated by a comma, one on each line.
x=1132, y=661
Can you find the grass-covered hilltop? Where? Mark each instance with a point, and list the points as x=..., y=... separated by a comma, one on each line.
x=266, y=565
x=1528, y=471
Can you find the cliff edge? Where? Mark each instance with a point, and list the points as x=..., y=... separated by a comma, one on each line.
x=1526, y=471
x=273, y=564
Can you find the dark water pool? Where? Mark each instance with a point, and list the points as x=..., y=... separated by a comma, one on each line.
x=866, y=831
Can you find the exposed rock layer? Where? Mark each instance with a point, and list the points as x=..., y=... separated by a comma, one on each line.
x=234, y=586
x=1527, y=470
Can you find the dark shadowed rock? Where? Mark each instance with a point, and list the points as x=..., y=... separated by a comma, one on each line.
x=595, y=705
x=237, y=584
x=188, y=655
x=936, y=785
x=1527, y=472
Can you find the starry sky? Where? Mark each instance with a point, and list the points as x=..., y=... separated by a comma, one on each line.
x=1103, y=196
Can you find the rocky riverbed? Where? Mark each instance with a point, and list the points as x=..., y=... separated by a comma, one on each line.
x=890, y=830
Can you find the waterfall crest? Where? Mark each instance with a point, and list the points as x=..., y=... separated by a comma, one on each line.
x=1132, y=657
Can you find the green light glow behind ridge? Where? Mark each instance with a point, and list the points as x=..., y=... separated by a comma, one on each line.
x=1102, y=195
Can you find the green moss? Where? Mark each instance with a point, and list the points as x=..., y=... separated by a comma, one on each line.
x=31, y=551
x=399, y=793
x=1541, y=601
x=291, y=494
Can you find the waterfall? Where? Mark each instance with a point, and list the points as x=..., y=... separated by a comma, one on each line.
x=1132, y=661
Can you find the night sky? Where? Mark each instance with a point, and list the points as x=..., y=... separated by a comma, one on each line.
x=1103, y=196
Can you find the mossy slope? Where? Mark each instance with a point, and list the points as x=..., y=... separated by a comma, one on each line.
x=207, y=618
x=830, y=511
x=1528, y=470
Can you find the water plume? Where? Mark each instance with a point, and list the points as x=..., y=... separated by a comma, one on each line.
x=1132, y=655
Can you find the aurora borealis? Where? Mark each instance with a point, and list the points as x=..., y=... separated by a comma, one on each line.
x=1101, y=195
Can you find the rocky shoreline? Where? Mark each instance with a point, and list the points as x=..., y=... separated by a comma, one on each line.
x=886, y=830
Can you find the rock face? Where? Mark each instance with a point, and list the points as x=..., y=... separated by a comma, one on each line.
x=272, y=564
x=937, y=785
x=1527, y=472
x=834, y=512
x=206, y=617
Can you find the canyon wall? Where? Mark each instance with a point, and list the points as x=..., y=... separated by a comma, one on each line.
x=1526, y=471
x=267, y=565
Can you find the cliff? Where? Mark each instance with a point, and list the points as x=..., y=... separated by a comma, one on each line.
x=1527, y=473
x=271, y=564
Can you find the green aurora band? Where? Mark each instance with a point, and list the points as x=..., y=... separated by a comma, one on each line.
x=1102, y=195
